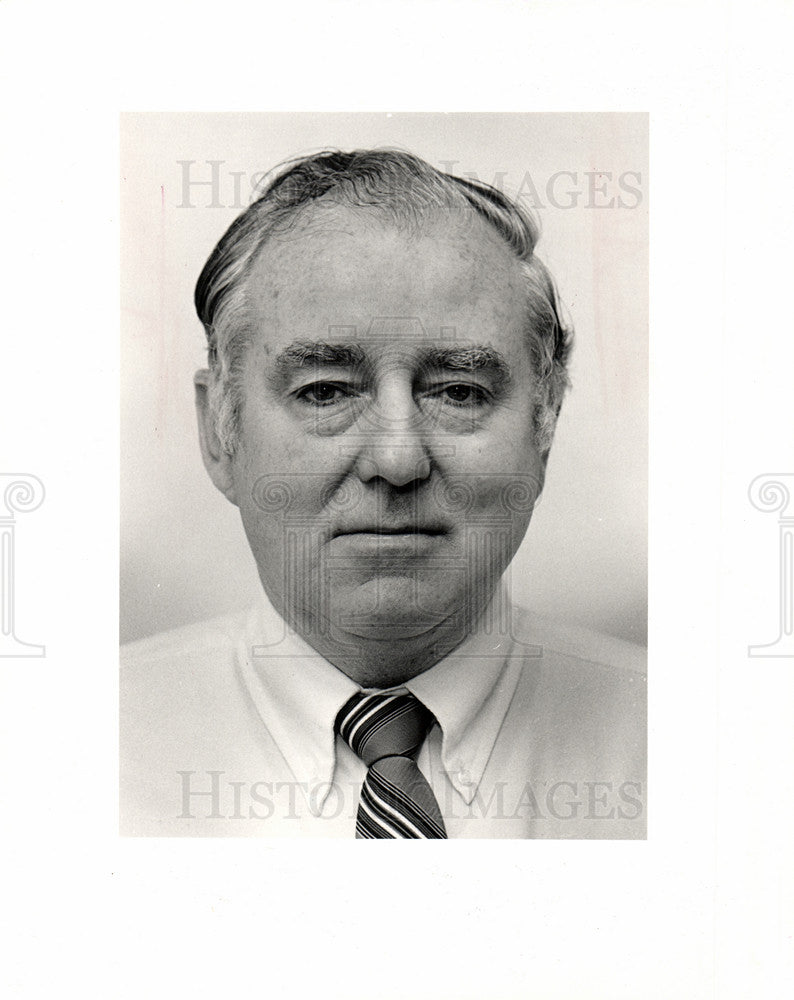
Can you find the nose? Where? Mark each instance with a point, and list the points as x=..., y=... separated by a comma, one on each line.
x=393, y=444
x=398, y=462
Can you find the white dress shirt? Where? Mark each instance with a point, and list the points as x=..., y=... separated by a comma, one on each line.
x=227, y=729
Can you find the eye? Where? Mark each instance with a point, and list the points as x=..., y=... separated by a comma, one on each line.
x=323, y=393
x=463, y=394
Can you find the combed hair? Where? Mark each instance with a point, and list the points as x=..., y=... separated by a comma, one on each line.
x=406, y=191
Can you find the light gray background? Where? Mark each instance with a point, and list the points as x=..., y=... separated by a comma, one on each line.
x=183, y=552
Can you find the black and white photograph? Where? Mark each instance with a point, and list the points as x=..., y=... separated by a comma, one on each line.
x=395, y=409
x=388, y=352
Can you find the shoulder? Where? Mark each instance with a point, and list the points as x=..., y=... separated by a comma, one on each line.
x=176, y=676
x=575, y=666
x=187, y=641
x=182, y=682
x=183, y=677
x=576, y=647
x=583, y=693
x=182, y=709
x=579, y=643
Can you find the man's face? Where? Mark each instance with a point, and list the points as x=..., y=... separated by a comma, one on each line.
x=386, y=468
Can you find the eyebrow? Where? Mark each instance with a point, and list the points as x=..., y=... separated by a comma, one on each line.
x=312, y=354
x=470, y=359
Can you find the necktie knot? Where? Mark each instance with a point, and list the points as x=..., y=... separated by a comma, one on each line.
x=384, y=725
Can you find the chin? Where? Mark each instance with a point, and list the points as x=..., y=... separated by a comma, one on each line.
x=389, y=609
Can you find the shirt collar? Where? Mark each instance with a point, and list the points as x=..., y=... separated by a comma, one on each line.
x=298, y=695
x=469, y=692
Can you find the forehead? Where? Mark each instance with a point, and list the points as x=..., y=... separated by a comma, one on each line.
x=341, y=272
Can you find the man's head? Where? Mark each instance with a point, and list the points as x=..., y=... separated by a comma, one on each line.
x=386, y=366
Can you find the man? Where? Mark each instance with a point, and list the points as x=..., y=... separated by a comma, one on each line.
x=386, y=366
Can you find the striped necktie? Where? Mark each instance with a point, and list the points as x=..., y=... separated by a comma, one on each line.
x=386, y=732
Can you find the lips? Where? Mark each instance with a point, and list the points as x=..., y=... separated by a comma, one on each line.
x=391, y=529
x=387, y=546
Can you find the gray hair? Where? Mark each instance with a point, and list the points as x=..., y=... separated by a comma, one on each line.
x=406, y=190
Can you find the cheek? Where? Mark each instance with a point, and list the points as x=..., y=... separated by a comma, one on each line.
x=289, y=501
x=492, y=491
x=502, y=472
x=506, y=501
x=277, y=471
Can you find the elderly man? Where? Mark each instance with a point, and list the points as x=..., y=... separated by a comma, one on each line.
x=386, y=365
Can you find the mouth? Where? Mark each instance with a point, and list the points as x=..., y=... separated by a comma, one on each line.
x=400, y=530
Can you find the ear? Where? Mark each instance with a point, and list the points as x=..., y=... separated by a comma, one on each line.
x=544, y=461
x=217, y=461
x=540, y=477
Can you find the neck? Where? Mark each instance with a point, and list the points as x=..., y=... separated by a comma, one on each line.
x=382, y=661
x=386, y=662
